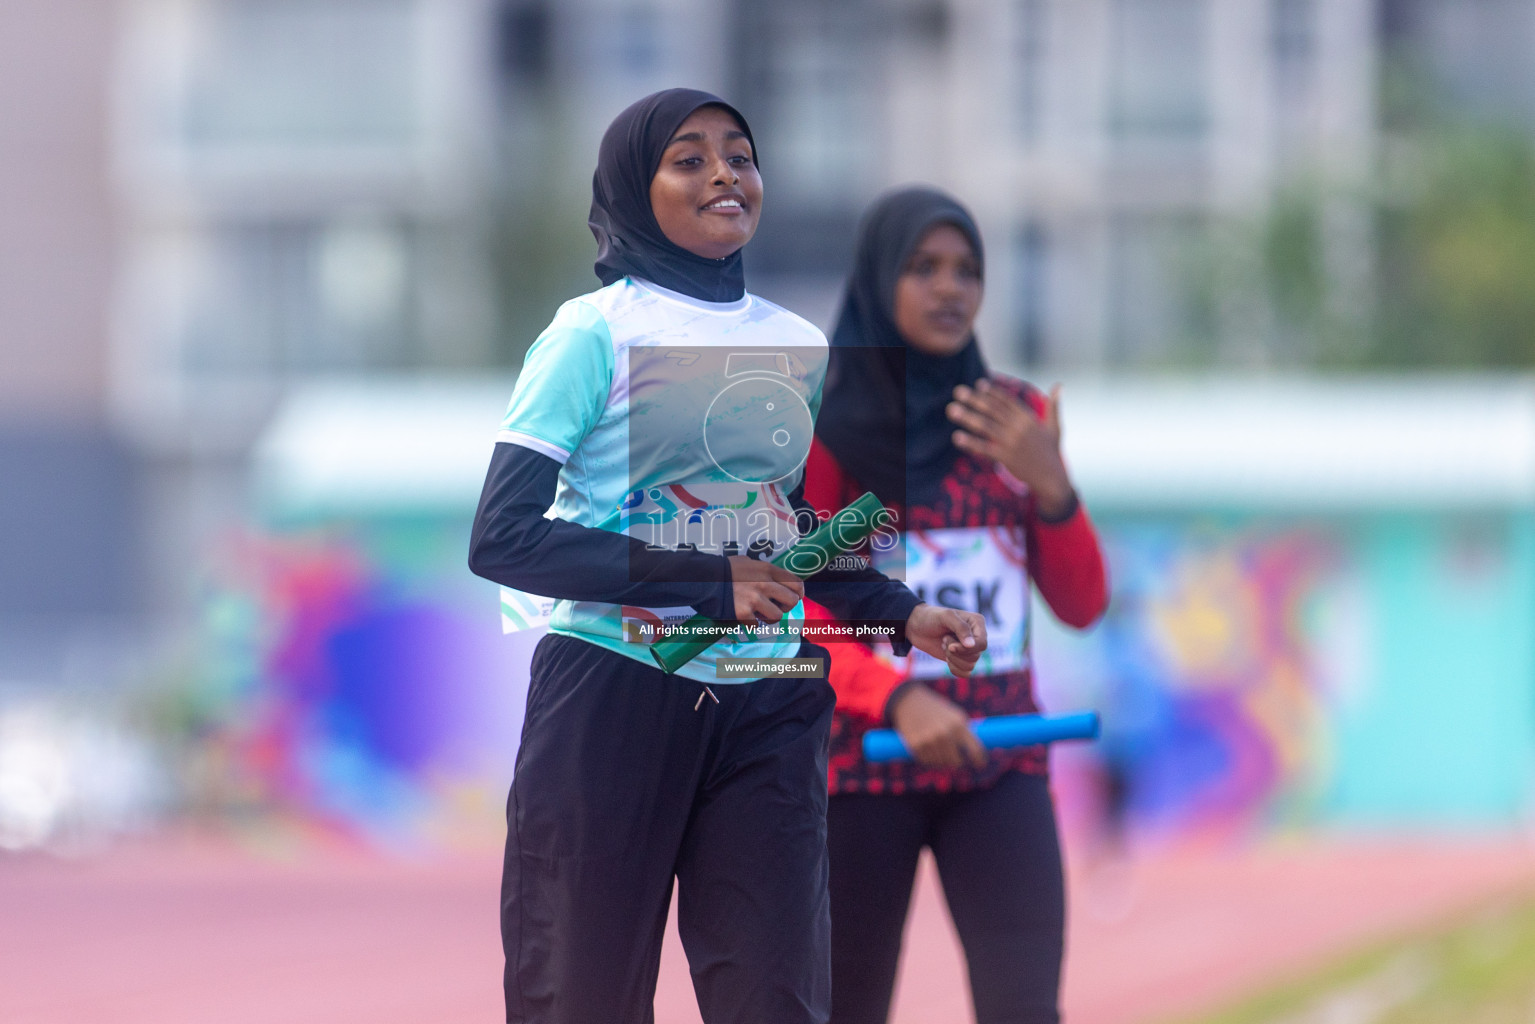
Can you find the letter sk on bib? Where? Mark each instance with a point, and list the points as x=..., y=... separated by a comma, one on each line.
x=981, y=569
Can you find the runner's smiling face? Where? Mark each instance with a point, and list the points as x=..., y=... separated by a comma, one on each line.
x=939, y=292
x=707, y=194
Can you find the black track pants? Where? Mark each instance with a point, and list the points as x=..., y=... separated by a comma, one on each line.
x=621, y=786
x=999, y=858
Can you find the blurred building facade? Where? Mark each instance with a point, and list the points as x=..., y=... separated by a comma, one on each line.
x=329, y=168
x=1091, y=139
x=313, y=187
x=300, y=183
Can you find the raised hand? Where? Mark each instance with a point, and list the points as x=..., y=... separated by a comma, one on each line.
x=995, y=425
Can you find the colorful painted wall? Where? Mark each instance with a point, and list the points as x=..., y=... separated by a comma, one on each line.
x=1367, y=670
x=367, y=685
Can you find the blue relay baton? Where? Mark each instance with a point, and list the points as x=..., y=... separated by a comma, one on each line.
x=997, y=733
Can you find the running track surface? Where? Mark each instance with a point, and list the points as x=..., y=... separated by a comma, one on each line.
x=201, y=929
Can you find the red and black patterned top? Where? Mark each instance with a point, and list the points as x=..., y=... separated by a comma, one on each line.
x=1063, y=560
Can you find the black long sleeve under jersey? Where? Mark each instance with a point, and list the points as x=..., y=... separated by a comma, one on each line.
x=512, y=543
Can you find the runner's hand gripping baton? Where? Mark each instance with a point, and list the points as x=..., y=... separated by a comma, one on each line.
x=809, y=555
x=996, y=733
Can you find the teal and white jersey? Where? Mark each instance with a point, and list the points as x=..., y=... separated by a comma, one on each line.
x=676, y=421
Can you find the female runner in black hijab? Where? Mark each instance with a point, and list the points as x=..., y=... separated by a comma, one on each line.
x=629, y=777
x=878, y=388
x=630, y=241
x=973, y=462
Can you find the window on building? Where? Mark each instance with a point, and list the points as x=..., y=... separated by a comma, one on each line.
x=815, y=105
x=275, y=299
x=297, y=73
x=1030, y=39
x=638, y=40
x=1030, y=254
x=929, y=21
x=1293, y=41
x=1476, y=58
x=525, y=43
x=808, y=77
x=1159, y=89
x=1152, y=315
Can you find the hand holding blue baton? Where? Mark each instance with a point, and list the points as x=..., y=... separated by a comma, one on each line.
x=1000, y=732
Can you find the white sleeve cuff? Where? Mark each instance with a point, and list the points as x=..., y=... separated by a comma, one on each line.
x=532, y=443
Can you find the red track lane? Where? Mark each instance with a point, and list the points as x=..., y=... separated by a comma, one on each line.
x=166, y=931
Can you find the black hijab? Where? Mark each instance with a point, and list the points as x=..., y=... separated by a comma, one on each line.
x=629, y=241
x=878, y=388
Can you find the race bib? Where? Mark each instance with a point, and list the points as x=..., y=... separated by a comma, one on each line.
x=981, y=569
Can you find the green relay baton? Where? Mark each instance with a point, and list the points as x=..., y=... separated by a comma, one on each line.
x=809, y=555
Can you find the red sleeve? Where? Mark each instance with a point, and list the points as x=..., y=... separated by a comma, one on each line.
x=1066, y=563
x=863, y=680
x=826, y=486
x=1065, y=559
